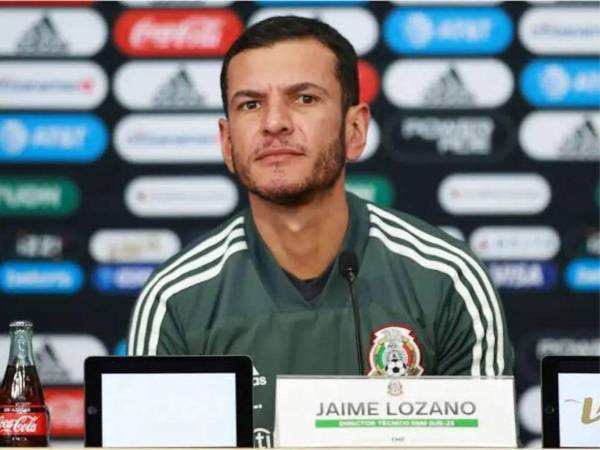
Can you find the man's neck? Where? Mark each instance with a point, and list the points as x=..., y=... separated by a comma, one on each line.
x=304, y=239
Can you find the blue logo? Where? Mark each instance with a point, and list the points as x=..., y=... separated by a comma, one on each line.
x=43, y=277
x=434, y=31
x=573, y=82
x=70, y=138
x=121, y=348
x=310, y=3
x=583, y=275
x=524, y=275
x=121, y=278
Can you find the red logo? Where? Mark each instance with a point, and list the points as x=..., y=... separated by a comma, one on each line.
x=46, y=2
x=368, y=80
x=22, y=422
x=177, y=33
x=86, y=85
x=66, y=405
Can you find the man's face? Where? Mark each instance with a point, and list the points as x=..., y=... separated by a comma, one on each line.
x=284, y=137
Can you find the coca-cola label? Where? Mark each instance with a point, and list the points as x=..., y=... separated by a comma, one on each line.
x=22, y=422
x=177, y=32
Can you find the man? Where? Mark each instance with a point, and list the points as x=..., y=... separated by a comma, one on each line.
x=266, y=282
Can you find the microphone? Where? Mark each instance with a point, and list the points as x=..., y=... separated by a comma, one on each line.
x=348, y=265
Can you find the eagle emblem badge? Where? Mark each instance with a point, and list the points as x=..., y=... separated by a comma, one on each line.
x=394, y=352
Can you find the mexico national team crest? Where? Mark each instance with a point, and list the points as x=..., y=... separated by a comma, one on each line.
x=394, y=352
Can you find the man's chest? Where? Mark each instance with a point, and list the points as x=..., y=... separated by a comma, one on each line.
x=317, y=341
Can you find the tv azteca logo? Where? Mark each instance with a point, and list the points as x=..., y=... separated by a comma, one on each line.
x=586, y=410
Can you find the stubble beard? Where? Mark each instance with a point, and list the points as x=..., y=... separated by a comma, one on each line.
x=326, y=171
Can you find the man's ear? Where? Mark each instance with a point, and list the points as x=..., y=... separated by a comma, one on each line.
x=226, y=147
x=357, y=119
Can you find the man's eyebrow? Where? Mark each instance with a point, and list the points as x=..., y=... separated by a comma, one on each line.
x=294, y=88
x=304, y=86
x=247, y=93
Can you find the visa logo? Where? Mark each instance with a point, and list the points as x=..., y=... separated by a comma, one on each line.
x=583, y=275
x=121, y=278
x=523, y=275
x=44, y=277
x=448, y=30
x=556, y=82
x=70, y=138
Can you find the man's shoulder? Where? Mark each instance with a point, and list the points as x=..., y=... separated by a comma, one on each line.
x=431, y=251
x=399, y=224
x=224, y=232
x=207, y=252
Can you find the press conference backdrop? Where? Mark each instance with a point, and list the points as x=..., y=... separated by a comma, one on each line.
x=485, y=121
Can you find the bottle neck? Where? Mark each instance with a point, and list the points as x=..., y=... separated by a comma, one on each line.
x=21, y=350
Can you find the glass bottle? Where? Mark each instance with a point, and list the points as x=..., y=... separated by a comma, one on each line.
x=24, y=418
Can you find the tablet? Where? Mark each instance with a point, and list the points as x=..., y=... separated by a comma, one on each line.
x=168, y=401
x=571, y=401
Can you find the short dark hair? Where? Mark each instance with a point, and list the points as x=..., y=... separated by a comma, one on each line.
x=283, y=28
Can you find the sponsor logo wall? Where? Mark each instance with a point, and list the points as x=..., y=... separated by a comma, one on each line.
x=485, y=121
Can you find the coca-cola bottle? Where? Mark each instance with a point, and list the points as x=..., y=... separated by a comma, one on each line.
x=24, y=419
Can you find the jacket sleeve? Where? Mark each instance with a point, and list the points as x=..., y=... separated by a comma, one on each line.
x=170, y=339
x=471, y=332
x=154, y=328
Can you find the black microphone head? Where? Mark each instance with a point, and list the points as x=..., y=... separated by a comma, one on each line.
x=348, y=263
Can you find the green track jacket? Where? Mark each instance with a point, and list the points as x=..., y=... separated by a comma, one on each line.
x=427, y=306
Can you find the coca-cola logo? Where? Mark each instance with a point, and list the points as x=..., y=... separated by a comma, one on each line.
x=18, y=423
x=190, y=33
x=177, y=33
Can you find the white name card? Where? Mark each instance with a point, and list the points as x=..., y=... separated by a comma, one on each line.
x=393, y=412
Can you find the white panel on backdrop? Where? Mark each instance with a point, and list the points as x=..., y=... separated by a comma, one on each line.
x=561, y=30
x=169, y=85
x=356, y=24
x=515, y=242
x=133, y=246
x=173, y=138
x=181, y=196
x=51, y=85
x=51, y=32
x=494, y=194
x=561, y=135
x=448, y=83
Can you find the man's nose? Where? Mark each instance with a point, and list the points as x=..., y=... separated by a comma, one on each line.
x=276, y=118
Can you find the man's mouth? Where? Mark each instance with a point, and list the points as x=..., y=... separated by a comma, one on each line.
x=277, y=154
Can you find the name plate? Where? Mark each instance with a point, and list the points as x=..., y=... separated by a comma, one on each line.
x=407, y=411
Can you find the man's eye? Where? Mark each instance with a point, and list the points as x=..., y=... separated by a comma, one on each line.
x=252, y=104
x=306, y=99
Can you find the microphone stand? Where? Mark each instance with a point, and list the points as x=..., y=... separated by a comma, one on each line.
x=351, y=277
